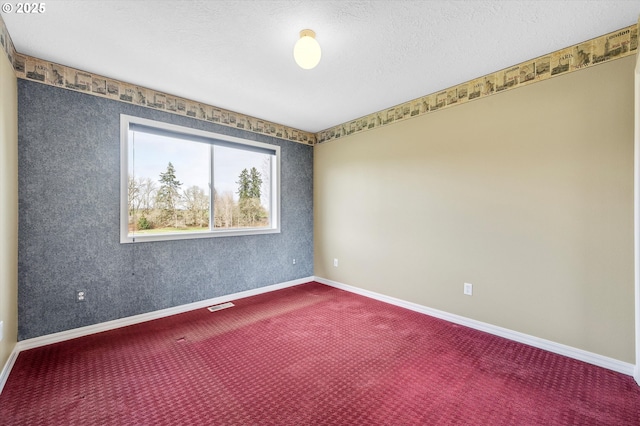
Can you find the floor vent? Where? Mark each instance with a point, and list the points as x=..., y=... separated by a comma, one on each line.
x=220, y=306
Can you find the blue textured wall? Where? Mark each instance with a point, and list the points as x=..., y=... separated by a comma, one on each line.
x=69, y=207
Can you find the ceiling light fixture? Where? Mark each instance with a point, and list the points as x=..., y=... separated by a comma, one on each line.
x=307, y=51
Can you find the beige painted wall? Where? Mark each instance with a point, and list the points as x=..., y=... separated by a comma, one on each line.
x=8, y=207
x=527, y=194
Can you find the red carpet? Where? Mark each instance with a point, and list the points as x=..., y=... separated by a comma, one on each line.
x=309, y=355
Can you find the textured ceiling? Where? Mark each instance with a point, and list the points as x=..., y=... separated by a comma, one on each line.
x=237, y=55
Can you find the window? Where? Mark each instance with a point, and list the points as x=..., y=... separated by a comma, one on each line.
x=179, y=183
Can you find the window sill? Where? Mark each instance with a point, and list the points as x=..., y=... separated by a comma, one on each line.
x=196, y=235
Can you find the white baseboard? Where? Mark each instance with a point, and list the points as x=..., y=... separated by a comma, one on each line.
x=579, y=354
x=4, y=374
x=568, y=351
x=136, y=319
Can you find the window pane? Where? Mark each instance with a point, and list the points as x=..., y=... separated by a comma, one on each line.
x=242, y=188
x=168, y=185
x=168, y=177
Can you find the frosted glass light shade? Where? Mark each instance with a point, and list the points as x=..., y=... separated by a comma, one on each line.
x=307, y=52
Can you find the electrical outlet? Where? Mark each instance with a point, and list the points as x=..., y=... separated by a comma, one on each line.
x=81, y=295
x=335, y=262
x=294, y=261
x=468, y=289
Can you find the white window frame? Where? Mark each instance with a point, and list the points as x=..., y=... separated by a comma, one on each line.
x=127, y=120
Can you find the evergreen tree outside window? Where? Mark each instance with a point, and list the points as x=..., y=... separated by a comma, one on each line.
x=181, y=183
